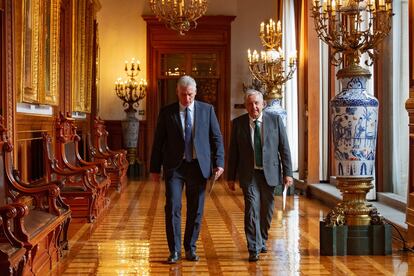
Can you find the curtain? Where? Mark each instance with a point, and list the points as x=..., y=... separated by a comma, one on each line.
x=290, y=99
x=400, y=93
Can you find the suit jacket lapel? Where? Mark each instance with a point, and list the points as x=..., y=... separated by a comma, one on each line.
x=177, y=120
x=196, y=119
x=246, y=129
x=266, y=127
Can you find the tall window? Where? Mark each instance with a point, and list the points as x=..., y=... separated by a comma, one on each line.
x=400, y=93
x=291, y=89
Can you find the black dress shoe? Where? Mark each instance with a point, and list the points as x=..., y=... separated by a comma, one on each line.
x=264, y=249
x=253, y=257
x=173, y=258
x=190, y=255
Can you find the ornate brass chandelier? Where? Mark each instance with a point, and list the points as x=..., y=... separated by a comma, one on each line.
x=179, y=15
x=269, y=66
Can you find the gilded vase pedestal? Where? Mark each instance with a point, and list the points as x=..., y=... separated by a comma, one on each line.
x=354, y=226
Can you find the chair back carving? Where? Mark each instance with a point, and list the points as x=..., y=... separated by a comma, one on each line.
x=3, y=187
x=49, y=157
x=7, y=173
x=116, y=159
x=67, y=139
x=100, y=144
x=44, y=195
x=101, y=135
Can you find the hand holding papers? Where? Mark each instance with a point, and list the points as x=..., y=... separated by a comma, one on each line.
x=284, y=196
x=287, y=181
x=210, y=184
x=217, y=172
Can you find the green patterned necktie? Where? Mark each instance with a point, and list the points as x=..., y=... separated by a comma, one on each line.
x=257, y=145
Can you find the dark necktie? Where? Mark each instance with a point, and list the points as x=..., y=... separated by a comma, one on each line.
x=188, y=141
x=257, y=145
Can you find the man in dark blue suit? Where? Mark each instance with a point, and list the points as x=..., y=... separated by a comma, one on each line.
x=259, y=155
x=189, y=147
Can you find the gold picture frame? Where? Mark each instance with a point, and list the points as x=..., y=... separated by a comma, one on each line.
x=83, y=20
x=37, y=59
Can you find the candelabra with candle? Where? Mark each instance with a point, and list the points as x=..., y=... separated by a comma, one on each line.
x=352, y=28
x=269, y=66
x=131, y=92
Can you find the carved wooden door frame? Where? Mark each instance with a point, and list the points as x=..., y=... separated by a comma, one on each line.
x=211, y=32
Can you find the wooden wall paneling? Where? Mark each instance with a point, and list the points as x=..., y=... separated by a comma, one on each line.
x=410, y=108
x=114, y=129
x=28, y=145
x=308, y=97
x=83, y=129
x=213, y=33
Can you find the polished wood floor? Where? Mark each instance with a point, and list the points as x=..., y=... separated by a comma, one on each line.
x=130, y=240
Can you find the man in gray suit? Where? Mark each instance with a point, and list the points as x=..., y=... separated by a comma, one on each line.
x=189, y=147
x=259, y=168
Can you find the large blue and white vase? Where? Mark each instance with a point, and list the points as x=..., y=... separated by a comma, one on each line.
x=130, y=131
x=354, y=116
x=275, y=106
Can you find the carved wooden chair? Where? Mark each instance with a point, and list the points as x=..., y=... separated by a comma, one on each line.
x=116, y=159
x=42, y=219
x=12, y=251
x=84, y=184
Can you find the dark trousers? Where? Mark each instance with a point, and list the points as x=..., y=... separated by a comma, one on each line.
x=258, y=211
x=188, y=174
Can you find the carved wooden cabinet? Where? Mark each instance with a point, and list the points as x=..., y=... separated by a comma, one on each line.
x=203, y=53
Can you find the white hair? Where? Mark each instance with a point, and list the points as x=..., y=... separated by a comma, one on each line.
x=252, y=92
x=187, y=81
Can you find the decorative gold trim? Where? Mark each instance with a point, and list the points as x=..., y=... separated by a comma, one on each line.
x=52, y=96
x=354, y=209
x=30, y=53
x=83, y=16
x=353, y=70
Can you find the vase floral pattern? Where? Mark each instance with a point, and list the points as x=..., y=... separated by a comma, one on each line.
x=275, y=106
x=354, y=116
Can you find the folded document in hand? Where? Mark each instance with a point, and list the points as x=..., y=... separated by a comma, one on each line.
x=284, y=196
x=210, y=184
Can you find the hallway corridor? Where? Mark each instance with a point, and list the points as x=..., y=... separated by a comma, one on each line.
x=130, y=240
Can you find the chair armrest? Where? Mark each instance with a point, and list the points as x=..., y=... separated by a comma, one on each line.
x=42, y=192
x=12, y=215
x=87, y=173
